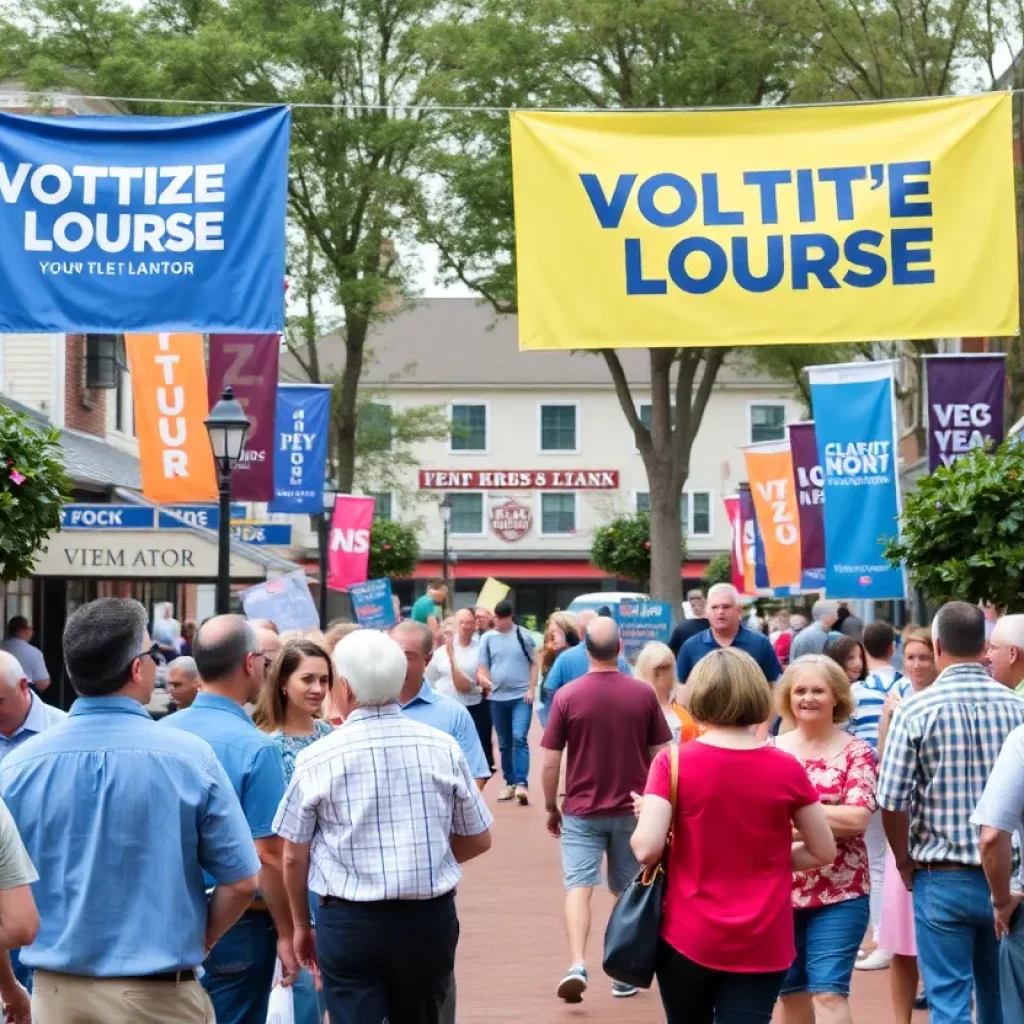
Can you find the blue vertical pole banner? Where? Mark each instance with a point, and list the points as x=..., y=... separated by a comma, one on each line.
x=143, y=224
x=855, y=426
x=300, y=457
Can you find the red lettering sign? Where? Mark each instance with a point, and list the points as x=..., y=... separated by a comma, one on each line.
x=511, y=520
x=519, y=479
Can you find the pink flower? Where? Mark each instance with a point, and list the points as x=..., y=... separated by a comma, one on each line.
x=17, y=478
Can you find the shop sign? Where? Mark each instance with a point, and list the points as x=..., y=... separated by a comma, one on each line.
x=511, y=520
x=521, y=479
x=142, y=517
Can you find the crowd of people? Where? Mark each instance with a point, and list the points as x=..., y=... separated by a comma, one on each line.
x=846, y=798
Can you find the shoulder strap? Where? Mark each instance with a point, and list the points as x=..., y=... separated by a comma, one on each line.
x=522, y=645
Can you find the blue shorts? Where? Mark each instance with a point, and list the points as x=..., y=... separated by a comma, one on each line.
x=586, y=840
x=827, y=940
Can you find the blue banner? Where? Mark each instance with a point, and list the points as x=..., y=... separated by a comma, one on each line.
x=206, y=516
x=854, y=416
x=273, y=535
x=300, y=458
x=372, y=604
x=143, y=224
x=106, y=517
x=641, y=622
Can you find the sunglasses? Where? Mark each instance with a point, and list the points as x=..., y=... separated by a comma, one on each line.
x=152, y=652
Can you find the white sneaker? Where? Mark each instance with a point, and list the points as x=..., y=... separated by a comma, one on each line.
x=876, y=960
x=508, y=793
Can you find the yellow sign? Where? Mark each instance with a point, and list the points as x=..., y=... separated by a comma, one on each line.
x=491, y=593
x=782, y=225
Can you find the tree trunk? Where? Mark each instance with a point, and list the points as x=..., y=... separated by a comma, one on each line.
x=666, y=487
x=345, y=398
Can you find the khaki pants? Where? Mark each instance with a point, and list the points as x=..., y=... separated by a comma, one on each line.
x=68, y=999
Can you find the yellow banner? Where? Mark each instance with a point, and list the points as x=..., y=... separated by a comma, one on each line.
x=782, y=225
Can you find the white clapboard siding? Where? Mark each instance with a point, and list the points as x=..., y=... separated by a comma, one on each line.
x=29, y=370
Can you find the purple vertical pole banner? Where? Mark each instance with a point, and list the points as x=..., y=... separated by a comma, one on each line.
x=965, y=405
x=248, y=363
x=810, y=493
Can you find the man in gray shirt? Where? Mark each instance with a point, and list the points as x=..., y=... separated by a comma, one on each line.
x=816, y=636
x=1000, y=813
x=509, y=666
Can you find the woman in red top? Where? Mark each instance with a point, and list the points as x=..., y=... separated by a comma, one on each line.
x=830, y=905
x=727, y=925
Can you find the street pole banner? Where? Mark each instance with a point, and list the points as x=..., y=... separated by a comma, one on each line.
x=966, y=394
x=348, y=544
x=773, y=489
x=810, y=489
x=114, y=224
x=732, y=511
x=248, y=364
x=748, y=527
x=169, y=392
x=855, y=424
x=772, y=225
x=300, y=447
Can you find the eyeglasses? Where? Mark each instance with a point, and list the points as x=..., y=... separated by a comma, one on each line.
x=152, y=652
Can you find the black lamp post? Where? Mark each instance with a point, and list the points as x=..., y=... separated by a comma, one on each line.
x=446, y=518
x=228, y=427
x=323, y=537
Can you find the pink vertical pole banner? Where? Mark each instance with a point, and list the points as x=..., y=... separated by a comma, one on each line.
x=810, y=493
x=732, y=510
x=248, y=364
x=348, y=546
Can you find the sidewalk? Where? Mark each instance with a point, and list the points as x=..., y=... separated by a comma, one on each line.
x=512, y=950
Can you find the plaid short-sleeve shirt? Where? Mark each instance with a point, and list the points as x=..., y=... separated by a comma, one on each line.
x=941, y=749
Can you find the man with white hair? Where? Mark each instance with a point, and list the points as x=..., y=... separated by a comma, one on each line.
x=183, y=682
x=1006, y=652
x=23, y=714
x=724, y=613
x=387, y=929
x=816, y=636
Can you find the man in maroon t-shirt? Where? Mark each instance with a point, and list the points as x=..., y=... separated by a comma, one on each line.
x=613, y=727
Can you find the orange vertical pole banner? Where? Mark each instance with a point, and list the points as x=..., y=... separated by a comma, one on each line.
x=773, y=488
x=169, y=391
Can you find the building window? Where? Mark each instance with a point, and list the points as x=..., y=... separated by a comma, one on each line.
x=558, y=428
x=382, y=508
x=469, y=428
x=767, y=423
x=17, y=600
x=557, y=514
x=467, y=515
x=375, y=426
x=646, y=415
x=700, y=513
x=694, y=511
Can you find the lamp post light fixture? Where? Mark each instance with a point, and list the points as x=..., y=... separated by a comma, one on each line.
x=228, y=427
x=323, y=526
x=445, y=508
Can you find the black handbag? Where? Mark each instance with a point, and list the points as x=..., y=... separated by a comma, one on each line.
x=634, y=928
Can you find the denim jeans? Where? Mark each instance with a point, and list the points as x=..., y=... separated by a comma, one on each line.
x=305, y=1001
x=826, y=947
x=240, y=970
x=956, y=945
x=512, y=724
x=1011, y=969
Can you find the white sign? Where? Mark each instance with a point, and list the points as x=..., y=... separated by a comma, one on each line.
x=138, y=554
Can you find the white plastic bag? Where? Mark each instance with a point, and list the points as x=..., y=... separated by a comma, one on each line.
x=281, y=1008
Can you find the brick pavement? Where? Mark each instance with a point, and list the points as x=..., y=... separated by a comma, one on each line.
x=512, y=950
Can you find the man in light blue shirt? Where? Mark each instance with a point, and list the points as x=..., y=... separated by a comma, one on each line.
x=508, y=665
x=232, y=663
x=122, y=819
x=419, y=701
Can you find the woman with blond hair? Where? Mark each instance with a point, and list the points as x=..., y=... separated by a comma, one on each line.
x=727, y=926
x=561, y=632
x=656, y=665
x=830, y=904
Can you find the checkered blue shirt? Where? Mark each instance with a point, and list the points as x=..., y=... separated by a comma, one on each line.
x=941, y=748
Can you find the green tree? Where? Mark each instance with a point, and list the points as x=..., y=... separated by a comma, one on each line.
x=962, y=531
x=394, y=549
x=33, y=486
x=719, y=570
x=353, y=169
x=622, y=548
x=604, y=54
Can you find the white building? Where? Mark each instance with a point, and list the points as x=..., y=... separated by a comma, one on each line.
x=540, y=453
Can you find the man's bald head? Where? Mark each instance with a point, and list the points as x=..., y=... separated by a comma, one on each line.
x=584, y=618
x=603, y=640
x=221, y=647
x=11, y=672
x=270, y=643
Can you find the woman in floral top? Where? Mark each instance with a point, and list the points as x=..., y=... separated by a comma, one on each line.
x=830, y=905
x=288, y=709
